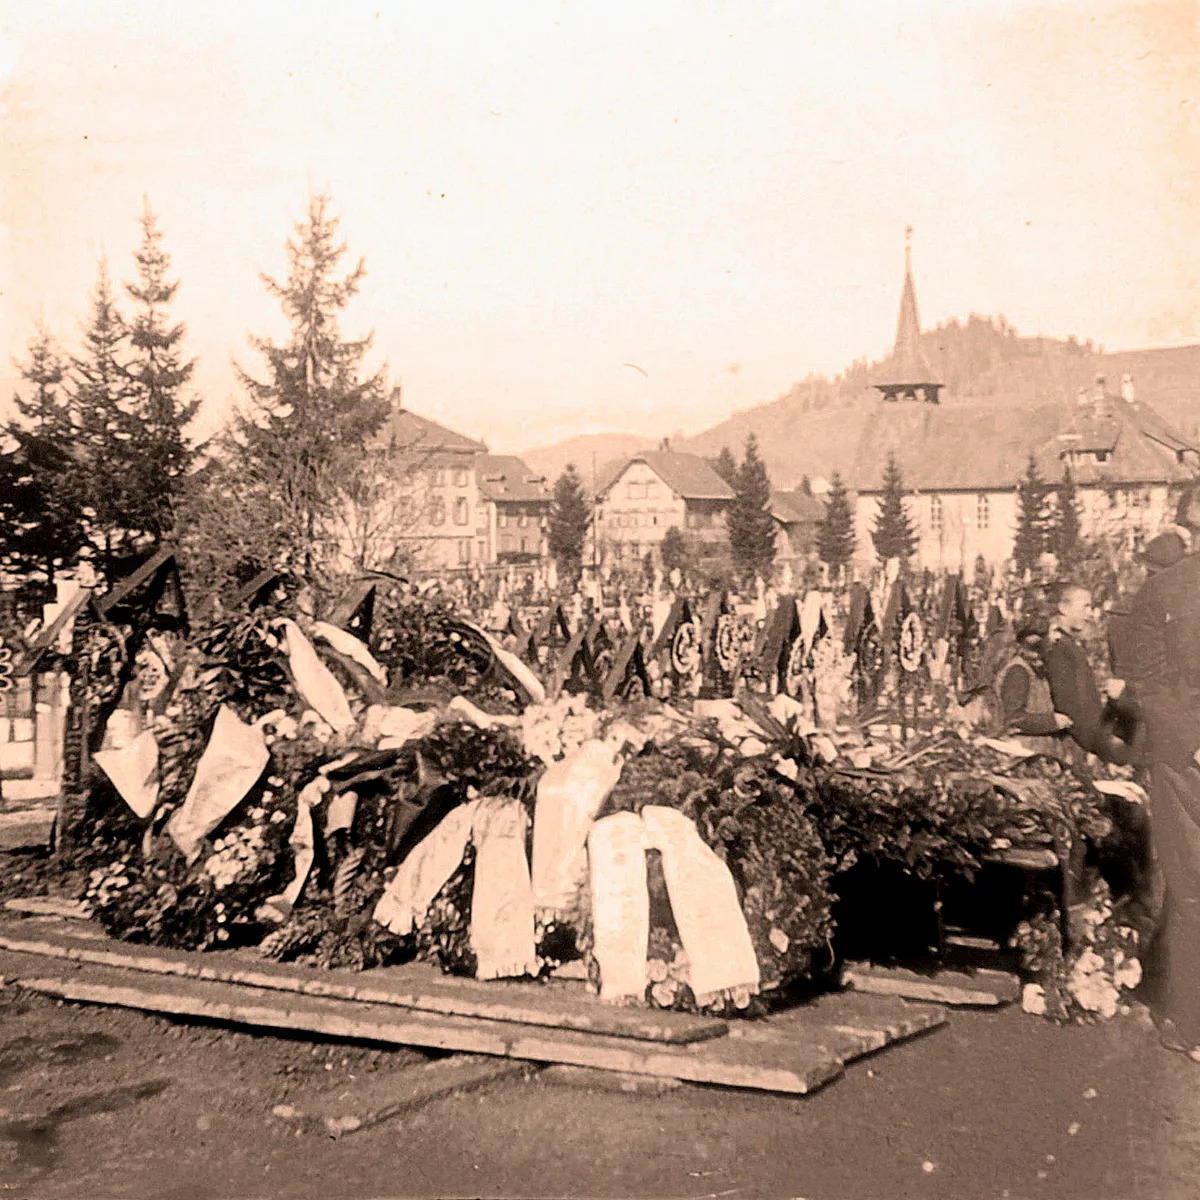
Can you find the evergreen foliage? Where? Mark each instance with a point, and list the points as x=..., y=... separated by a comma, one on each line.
x=1065, y=532
x=1033, y=520
x=893, y=535
x=312, y=412
x=751, y=526
x=158, y=374
x=41, y=519
x=570, y=519
x=835, y=530
x=108, y=435
x=675, y=550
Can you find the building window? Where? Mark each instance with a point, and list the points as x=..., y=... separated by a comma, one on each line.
x=981, y=512
x=437, y=477
x=437, y=510
x=523, y=521
x=481, y=549
x=522, y=545
x=464, y=550
x=462, y=511
x=501, y=519
x=460, y=477
x=936, y=516
x=636, y=491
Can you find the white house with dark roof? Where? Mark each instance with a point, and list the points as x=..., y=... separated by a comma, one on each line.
x=655, y=491
x=962, y=459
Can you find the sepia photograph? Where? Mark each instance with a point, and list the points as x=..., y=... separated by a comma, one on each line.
x=600, y=599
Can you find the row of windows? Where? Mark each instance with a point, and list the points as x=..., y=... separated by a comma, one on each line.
x=459, y=477
x=634, y=520
x=642, y=491
x=522, y=521
x=437, y=510
x=937, y=516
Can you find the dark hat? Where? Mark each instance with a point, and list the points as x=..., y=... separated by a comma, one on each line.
x=1164, y=551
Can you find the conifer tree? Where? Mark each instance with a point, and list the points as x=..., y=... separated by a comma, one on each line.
x=893, y=535
x=835, y=530
x=108, y=433
x=570, y=519
x=158, y=374
x=1031, y=540
x=314, y=405
x=1065, y=532
x=41, y=522
x=751, y=526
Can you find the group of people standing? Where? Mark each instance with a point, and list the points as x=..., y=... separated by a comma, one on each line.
x=1147, y=717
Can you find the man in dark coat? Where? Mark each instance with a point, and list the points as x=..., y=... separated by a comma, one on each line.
x=1073, y=688
x=1162, y=668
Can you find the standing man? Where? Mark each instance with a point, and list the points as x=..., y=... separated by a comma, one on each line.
x=1163, y=670
x=1073, y=689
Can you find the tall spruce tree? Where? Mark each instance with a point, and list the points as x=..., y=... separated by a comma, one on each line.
x=314, y=404
x=108, y=433
x=158, y=375
x=893, y=535
x=41, y=518
x=835, y=530
x=1033, y=516
x=570, y=519
x=1065, y=528
x=751, y=526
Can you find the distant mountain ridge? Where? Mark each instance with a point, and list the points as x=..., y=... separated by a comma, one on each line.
x=814, y=429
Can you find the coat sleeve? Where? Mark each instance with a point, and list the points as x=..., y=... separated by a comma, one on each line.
x=1172, y=723
x=1075, y=695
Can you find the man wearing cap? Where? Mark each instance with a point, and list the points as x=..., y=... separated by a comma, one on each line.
x=1162, y=668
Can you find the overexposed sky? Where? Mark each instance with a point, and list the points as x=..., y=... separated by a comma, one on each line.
x=544, y=192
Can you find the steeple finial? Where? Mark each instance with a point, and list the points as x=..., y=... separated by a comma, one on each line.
x=908, y=232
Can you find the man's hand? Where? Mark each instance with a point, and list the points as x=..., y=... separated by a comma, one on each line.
x=1062, y=721
x=1114, y=689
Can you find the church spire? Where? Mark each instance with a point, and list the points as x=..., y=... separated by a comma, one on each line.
x=908, y=373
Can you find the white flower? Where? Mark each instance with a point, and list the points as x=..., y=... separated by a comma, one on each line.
x=1033, y=999
x=1127, y=972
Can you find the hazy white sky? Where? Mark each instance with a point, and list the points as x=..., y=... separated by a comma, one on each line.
x=544, y=192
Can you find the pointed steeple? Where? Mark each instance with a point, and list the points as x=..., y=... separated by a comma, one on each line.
x=908, y=376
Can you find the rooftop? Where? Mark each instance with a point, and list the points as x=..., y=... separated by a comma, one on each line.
x=796, y=508
x=985, y=444
x=687, y=475
x=504, y=477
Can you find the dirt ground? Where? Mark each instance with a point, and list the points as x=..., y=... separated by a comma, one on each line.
x=98, y=1102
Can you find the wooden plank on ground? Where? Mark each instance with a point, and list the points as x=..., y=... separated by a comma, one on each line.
x=48, y=906
x=791, y=1067
x=415, y=986
x=846, y=1024
x=29, y=829
x=983, y=987
x=372, y=1099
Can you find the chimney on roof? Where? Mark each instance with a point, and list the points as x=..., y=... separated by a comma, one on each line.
x=398, y=398
x=665, y=445
x=1100, y=385
x=1127, y=391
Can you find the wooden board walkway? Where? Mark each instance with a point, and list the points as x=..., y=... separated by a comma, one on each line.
x=792, y=1052
x=416, y=986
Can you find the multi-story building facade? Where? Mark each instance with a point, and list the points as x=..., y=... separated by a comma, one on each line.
x=518, y=502
x=656, y=491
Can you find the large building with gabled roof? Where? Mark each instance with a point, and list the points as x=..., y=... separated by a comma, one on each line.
x=962, y=458
x=655, y=491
